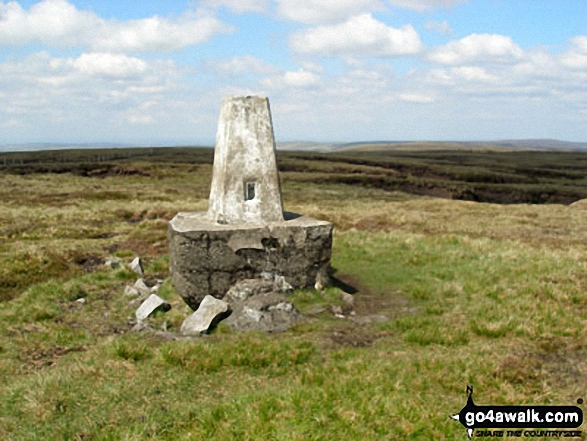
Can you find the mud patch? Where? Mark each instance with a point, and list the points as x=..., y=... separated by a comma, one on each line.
x=89, y=263
x=356, y=337
x=43, y=358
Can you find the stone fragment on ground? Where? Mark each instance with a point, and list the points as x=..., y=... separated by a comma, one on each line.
x=347, y=299
x=137, y=266
x=259, y=305
x=336, y=310
x=113, y=262
x=208, y=314
x=348, y=303
x=153, y=304
x=131, y=291
x=155, y=288
x=142, y=287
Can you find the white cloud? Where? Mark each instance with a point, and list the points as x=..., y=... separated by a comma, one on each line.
x=59, y=23
x=240, y=65
x=159, y=34
x=11, y=122
x=301, y=79
x=113, y=65
x=140, y=119
x=472, y=73
x=419, y=98
x=241, y=6
x=425, y=5
x=324, y=11
x=576, y=56
x=478, y=47
x=96, y=82
x=49, y=21
x=359, y=36
x=442, y=27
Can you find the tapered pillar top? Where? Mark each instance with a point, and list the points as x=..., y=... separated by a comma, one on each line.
x=245, y=180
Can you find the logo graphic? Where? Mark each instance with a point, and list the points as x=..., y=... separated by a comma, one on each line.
x=474, y=417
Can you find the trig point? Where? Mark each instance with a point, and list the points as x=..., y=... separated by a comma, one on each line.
x=245, y=181
x=245, y=234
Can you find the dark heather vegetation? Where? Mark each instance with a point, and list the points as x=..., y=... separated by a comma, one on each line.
x=504, y=177
x=490, y=294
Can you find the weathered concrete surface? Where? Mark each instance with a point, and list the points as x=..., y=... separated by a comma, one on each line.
x=210, y=312
x=245, y=181
x=208, y=258
x=244, y=289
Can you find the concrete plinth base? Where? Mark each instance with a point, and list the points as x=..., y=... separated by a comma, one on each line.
x=208, y=258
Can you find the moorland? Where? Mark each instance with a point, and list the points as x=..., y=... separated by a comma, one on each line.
x=478, y=260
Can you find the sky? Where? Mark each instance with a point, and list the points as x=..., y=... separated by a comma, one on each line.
x=154, y=72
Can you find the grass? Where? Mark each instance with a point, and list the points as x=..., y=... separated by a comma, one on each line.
x=484, y=294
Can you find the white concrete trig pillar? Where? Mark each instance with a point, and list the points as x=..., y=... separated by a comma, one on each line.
x=245, y=180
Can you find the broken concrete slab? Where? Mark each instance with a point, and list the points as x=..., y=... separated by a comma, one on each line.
x=210, y=312
x=131, y=291
x=153, y=304
x=137, y=266
x=266, y=312
x=142, y=287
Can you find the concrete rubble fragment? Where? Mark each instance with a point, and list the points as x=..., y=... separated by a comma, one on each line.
x=337, y=311
x=209, y=313
x=142, y=287
x=153, y=304
x=258, y=306
x=155, y=288
x=347, y=299
x=137, y=266
x=131, y=291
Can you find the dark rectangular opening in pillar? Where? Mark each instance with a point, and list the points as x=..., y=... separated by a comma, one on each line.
x=250, y=188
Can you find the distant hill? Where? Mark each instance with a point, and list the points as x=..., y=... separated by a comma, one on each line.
x=366, y=146
x=502, y=145
x=303, y=146
x=38, y=146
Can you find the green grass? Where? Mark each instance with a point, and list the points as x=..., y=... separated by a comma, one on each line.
x=483, y=294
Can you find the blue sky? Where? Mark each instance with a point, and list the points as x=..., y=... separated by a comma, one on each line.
x=153, y=72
